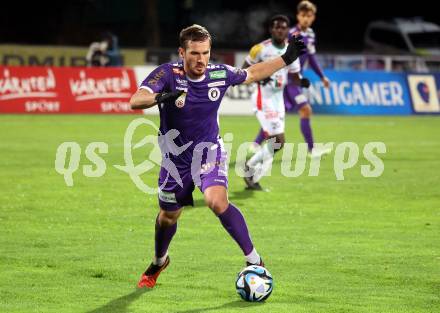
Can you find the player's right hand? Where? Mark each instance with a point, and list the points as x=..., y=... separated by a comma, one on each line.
x=164, y=97
x=295, y=48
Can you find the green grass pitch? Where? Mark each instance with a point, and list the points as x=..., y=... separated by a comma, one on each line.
x=358, y=245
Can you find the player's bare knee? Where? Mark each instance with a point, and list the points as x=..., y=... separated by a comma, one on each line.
x=168, y=218
x=305, y=111
x=218, y=204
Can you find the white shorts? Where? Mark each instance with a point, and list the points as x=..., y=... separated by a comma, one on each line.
x=272, y=122
x=269, y=109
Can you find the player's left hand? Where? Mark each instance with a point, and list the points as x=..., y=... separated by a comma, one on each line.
x=305, y=82
x=325, y=82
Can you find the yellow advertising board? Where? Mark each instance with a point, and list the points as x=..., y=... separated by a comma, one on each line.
x=15, y=55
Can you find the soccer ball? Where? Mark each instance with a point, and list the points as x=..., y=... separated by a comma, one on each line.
x=254, y=283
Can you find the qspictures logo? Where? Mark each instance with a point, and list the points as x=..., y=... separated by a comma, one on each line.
x=164, y=149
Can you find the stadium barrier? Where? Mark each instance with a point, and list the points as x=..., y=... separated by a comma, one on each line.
x=108, y=90
x=35, y=55
x=360, y=93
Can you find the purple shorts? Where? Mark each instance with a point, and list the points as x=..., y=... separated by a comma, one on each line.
x=177, y=180
x=294, y=99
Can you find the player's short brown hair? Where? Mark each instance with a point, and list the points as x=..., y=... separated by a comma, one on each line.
x=194, y=33
x=307, y=6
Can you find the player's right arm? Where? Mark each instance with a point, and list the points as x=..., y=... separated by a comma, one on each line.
x=154, y=89
x=143, y=99
x=261, y=70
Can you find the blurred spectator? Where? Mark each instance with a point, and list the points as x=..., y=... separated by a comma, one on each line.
x=105, y=52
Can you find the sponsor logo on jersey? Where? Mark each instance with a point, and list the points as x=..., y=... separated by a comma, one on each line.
x=217, y=74
x=182, y=82
x=167, y=196
x=218, y=83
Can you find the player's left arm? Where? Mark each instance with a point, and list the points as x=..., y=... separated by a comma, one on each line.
x=318, y=70
x=265, y=69
x=262, y=70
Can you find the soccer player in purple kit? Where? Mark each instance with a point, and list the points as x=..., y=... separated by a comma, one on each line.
x=188, y=94
x=293, y=96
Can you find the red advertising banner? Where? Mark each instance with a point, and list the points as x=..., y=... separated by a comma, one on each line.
x=66, y=90
x=99, y=90
x=30, y=90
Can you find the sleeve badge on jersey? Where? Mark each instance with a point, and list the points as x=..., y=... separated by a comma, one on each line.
x=178, y=71
x=155, y=80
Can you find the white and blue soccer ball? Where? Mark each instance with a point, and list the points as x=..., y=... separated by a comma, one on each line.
x=254, y=283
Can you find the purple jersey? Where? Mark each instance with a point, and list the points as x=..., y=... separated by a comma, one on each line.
x=310, y=42
x=195, y=113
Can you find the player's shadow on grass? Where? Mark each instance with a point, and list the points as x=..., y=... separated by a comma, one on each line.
x=233, y=304
x=121, y=304
x=242, y=194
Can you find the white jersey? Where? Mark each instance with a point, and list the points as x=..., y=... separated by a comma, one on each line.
x=269, y=97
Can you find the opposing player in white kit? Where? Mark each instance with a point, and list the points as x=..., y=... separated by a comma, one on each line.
x=268, y=99
x=294, y=99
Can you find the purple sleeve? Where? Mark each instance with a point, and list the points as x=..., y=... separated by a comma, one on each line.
x=158, y=80
x=235, y=76
x=315, y=65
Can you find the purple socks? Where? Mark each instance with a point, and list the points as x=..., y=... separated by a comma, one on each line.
x=163, y=238
x=307, y=132
x=233, y=221
x=260, y=137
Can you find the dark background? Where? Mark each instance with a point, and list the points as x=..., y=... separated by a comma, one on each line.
x=152, y=23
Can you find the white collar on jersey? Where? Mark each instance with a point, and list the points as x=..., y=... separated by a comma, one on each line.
x=196, y=80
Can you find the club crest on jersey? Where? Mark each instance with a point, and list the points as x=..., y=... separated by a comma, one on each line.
x=213, y=94
x=180, y=102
